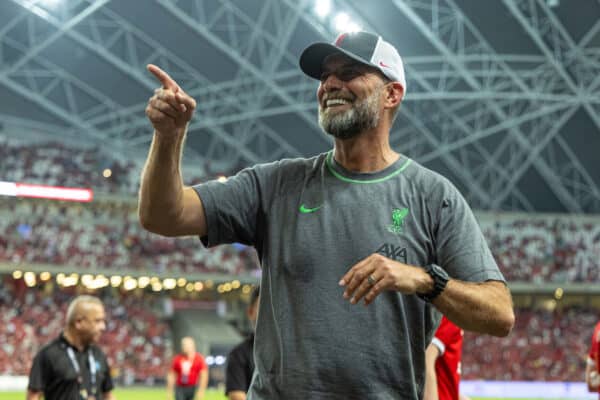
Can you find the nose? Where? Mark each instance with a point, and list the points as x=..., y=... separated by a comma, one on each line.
x=330, y=83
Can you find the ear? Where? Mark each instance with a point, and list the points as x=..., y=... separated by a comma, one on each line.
x=394, y=94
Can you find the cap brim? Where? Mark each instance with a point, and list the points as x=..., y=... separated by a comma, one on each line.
x=312, y=58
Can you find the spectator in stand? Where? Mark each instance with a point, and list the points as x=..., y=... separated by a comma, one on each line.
x=188, y=376
x=592, y=369
x=72, y=367
x=240, y=362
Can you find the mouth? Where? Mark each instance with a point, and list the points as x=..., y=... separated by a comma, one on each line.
x=334, y=103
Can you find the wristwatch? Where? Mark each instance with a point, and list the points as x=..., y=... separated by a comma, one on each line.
x=440, y=279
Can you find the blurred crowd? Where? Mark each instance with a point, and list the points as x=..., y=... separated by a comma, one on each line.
x=136, y=341
x=55, y=164
x=543, y=346
x=552, y=249
x=105, y=235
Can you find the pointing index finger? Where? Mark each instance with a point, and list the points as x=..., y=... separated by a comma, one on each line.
x=163, y=77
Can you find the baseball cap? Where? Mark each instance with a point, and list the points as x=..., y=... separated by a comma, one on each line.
x=364, y=47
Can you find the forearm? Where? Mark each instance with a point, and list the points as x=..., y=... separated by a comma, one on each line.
x=203, y=384
x=430, y=391
x=479, y=307
x=170, y=382
x=31, y=395
x=591, y=377
x=109, y=396
x=236, y=395
x=161, y=191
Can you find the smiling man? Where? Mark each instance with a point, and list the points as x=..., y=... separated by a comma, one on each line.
x=73, y=367
x=360, y=223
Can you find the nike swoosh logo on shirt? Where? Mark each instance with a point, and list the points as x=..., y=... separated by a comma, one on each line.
x=306, y=210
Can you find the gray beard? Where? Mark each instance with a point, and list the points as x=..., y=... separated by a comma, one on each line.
x=363, y=115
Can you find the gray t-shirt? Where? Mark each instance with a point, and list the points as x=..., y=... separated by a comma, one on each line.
x=310, y=221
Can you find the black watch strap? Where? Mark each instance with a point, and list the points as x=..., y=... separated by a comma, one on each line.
x=440, y=279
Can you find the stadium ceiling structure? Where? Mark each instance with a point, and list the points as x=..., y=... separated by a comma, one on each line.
x=503, y=97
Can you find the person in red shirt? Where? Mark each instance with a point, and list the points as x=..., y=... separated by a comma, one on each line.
x=188, y=376
x=442, y=363
x=592, y=370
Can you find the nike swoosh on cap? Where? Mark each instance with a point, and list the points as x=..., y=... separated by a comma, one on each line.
x=384, y=65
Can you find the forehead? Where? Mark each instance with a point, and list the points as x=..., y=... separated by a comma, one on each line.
x=95, y=310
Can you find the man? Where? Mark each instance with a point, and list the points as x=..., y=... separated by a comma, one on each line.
x=442, y=363
x=72, y=367
x=188, y=376
x=592, y=369
x=240, y=362
x=360, y=222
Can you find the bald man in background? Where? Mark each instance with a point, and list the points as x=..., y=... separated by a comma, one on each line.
x=188, y=376
x=72, y=367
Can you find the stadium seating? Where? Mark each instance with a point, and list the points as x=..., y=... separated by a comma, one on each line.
x=551, y=249
x=544, y=346
x=97, y=236
x=58, y=165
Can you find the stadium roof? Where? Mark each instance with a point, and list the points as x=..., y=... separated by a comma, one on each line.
x=503, y=96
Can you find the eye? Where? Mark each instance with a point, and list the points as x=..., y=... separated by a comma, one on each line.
x=325, y=75
x=347, y=74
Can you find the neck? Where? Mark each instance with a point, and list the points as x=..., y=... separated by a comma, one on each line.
x=74, y=340
x=368, y=152
x=190, y=354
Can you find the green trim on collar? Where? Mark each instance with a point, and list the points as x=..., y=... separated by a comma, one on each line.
x=329, y=162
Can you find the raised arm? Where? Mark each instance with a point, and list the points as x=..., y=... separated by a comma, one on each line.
x=165, y=206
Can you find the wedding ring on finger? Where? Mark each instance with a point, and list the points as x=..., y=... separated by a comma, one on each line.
x=371, y=280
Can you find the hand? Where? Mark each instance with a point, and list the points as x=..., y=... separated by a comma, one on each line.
x=170, y=109
x=594, y=378
x=385, y=274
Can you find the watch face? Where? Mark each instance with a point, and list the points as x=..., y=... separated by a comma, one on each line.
x=439, y=271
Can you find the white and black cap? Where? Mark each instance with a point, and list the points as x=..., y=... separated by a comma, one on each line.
x=363, y=47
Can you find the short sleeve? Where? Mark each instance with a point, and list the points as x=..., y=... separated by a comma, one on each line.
x=460, y=245
x=37, y=375
x=236, y=375
x=231, y=208
x=107, y=383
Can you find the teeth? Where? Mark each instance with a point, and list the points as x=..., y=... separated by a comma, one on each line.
x=334, y=102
